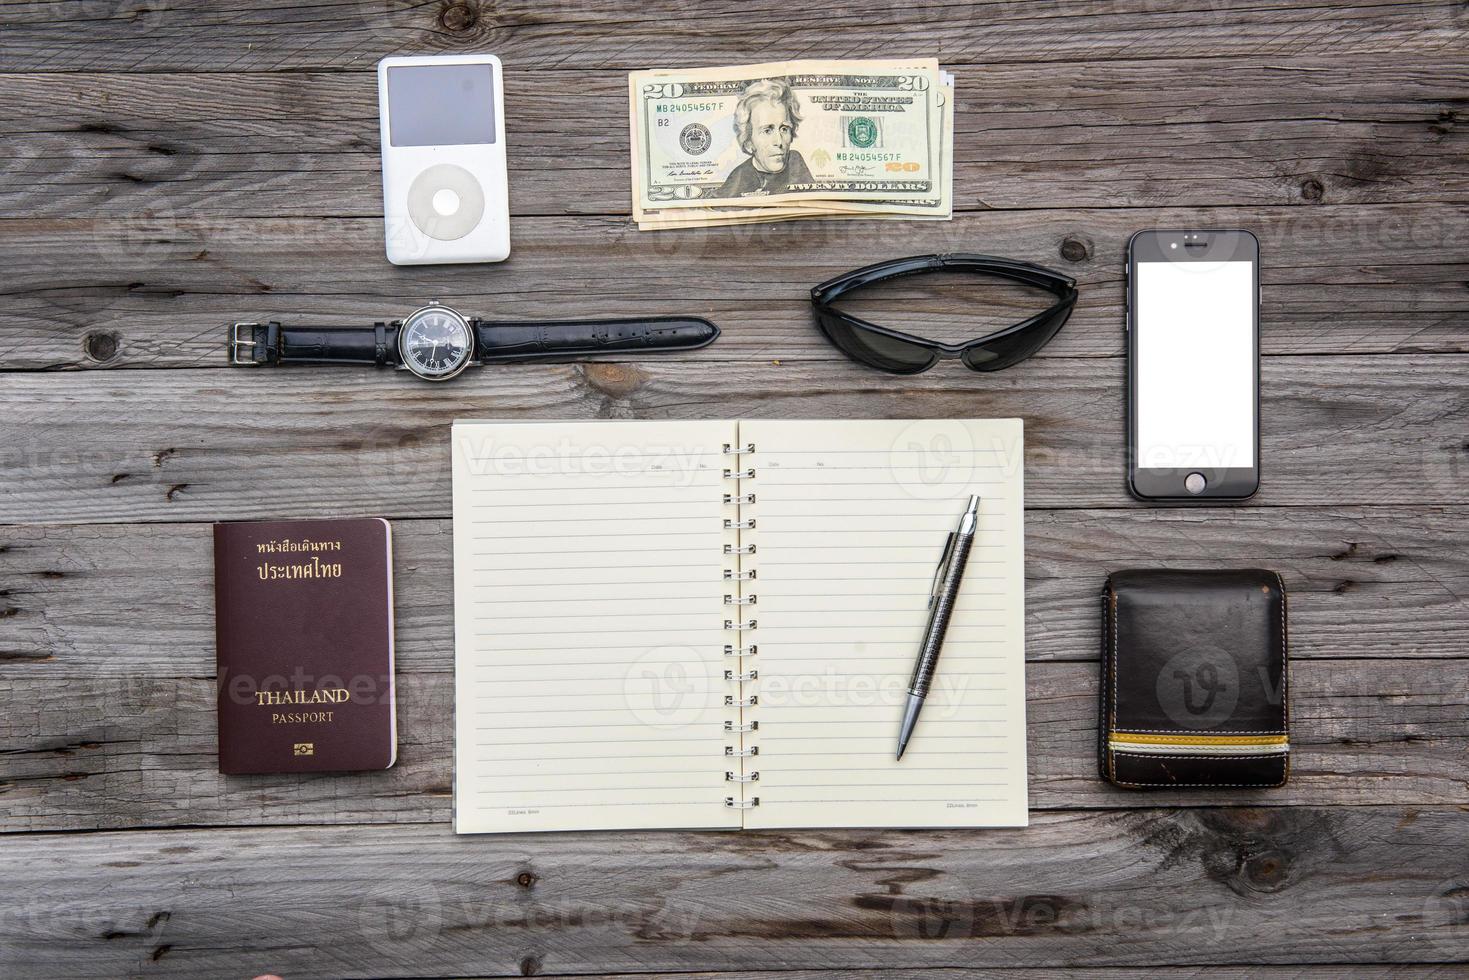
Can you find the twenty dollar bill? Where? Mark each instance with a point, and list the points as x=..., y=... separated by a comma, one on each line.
x=791, y=134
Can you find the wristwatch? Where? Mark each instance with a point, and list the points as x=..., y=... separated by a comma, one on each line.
x=437, y=343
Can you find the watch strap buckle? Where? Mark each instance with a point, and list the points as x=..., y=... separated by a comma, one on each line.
x=248, y=349
x=237, y=344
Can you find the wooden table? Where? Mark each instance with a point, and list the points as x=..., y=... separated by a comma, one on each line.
x=167, y=167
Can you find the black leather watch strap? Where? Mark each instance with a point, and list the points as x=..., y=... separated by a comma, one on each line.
x=495, y=342
x=511, y=341
x=278, y=343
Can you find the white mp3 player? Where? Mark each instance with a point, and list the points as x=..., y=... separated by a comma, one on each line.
x=445, y=195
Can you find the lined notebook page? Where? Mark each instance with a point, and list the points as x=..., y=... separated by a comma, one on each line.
x=588, y=621
x=851, y=521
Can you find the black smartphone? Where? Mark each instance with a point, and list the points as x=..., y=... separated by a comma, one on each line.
x=1193, y=365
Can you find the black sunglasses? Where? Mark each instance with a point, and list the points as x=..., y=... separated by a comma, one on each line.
x=903, y=353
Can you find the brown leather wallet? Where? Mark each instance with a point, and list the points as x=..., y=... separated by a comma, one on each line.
x=1195, y=680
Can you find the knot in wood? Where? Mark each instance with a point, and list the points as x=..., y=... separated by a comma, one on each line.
x=459, y=17
x=617, y=380
x=101, y=346
x=1267, y=872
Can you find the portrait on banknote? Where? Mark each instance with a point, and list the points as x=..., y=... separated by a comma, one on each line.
x=767, y=118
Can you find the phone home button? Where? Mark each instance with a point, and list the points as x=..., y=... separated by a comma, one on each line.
x=1195, y=483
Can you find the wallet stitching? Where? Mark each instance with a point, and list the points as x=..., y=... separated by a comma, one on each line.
x=1284, y=673
x=1103, y=730
x=1180, y=731
x=1109, y=681
x=1202, y=785
x=1112, y=725
x=1211, y=758
x=1104, y=755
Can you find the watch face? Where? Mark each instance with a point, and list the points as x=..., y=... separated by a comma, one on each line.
x=435, y=343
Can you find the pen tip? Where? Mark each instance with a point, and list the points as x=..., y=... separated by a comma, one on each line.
x=900, y=753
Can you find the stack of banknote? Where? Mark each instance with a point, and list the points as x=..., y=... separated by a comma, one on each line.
x=791, y=140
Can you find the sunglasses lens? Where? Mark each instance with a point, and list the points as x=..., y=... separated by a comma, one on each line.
x=1013, y=348
x=875, y=349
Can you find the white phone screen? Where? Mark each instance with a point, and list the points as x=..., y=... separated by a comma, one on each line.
x=1195, y=371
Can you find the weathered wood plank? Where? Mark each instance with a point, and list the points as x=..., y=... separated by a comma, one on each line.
x=123, y=752
x=118, y=752
x=119, y=446
x=1384, y=583
x=1296, y=885
x=131, y=35
x=159, y=291
x=1378, y=971
x=1143, y=133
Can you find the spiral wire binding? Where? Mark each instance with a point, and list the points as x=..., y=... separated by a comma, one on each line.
x=739, y=498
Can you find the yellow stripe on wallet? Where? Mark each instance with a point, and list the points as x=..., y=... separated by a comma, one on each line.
x=1198, y=744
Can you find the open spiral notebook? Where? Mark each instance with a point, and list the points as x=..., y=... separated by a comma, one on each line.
x=711, y=624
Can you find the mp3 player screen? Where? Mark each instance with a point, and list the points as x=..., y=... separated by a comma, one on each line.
x=441, y=105
x=1196, y=364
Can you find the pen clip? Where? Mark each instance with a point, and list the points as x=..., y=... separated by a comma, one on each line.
x=942, y=570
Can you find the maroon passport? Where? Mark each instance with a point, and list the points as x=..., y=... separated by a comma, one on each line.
x=303, y=615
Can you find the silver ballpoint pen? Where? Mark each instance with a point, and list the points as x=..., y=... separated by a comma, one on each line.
x=944, y=592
